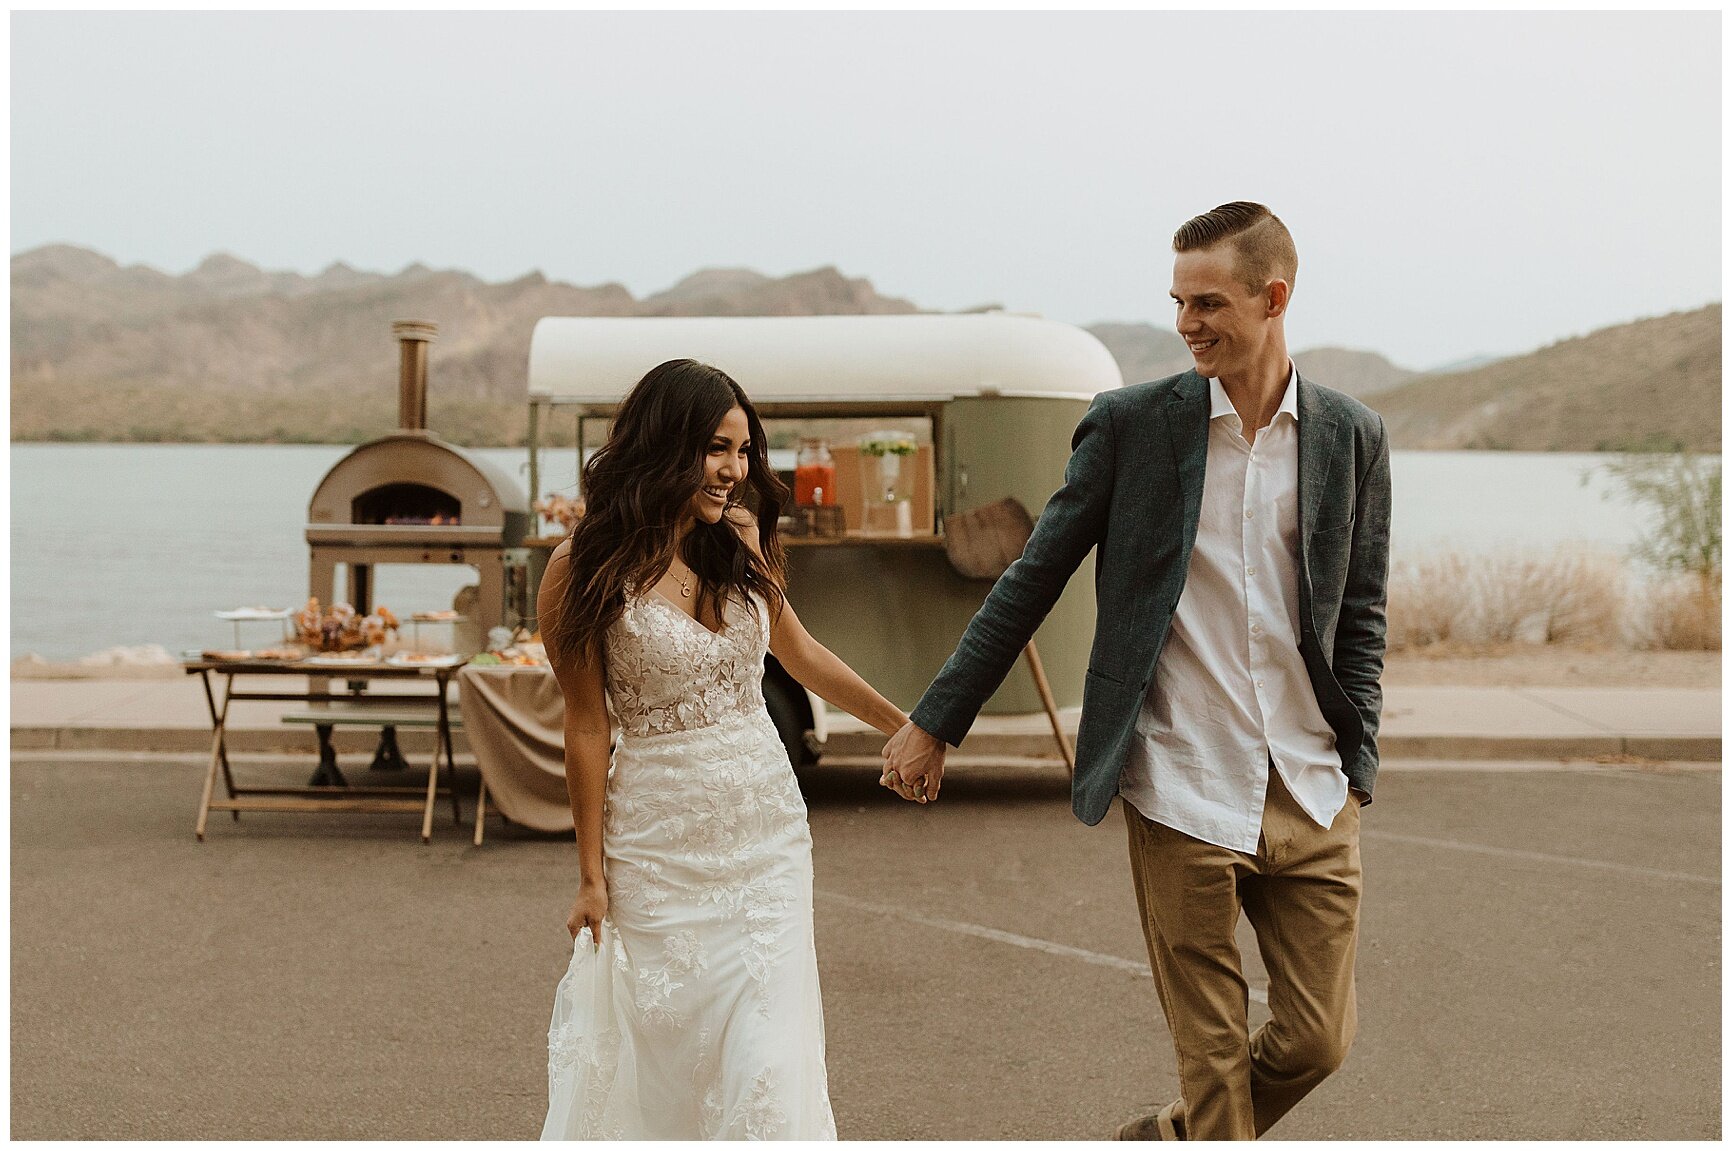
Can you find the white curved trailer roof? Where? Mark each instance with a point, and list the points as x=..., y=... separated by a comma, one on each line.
x=824, y=359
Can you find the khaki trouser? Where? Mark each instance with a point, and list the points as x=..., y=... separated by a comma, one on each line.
x=1301, y=893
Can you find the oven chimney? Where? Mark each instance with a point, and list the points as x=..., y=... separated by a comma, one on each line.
x=413, y=336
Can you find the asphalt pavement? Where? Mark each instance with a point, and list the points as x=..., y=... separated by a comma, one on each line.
x=1540, y=959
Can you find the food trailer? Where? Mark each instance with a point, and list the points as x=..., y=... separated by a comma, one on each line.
x=920, y=417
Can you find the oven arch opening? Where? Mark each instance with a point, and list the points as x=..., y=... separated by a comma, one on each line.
x=406, y=503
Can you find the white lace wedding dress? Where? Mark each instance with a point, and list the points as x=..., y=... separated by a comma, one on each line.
x=699, y=1018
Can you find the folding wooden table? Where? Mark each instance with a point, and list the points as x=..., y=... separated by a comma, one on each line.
x=343, y=706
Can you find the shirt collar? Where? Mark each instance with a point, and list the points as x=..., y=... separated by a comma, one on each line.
x=1220, y=405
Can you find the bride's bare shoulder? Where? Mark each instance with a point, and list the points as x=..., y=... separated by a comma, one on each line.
x=554, y=578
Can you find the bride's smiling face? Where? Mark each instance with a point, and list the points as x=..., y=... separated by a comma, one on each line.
x=726, y=462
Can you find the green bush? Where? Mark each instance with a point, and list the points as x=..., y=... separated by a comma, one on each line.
x=1681, y=491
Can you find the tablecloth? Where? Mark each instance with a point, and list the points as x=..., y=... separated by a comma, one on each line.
x=514, y=718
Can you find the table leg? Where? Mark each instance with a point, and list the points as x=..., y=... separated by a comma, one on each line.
x=218, y=754
x=433, y=769
x=450, y=744
x=481, y=812
x=210, y=706
x=432, y=796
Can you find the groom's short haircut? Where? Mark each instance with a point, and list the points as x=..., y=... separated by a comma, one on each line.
x=1262, y=245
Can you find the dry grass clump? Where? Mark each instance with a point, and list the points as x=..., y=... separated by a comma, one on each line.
x=1430, y=601
x=1573, y=598
x=1678, y=614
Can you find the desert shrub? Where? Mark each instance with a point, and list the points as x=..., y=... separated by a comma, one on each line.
x=1680, y=491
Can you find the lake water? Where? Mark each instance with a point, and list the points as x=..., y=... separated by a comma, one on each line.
x=130, y=544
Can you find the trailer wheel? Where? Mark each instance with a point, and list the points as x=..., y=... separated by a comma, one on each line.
x=786, y=702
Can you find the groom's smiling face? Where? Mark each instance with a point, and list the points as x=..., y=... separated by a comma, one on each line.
x=1225, y=323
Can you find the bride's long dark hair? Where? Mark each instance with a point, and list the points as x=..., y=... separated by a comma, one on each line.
x=636, y=487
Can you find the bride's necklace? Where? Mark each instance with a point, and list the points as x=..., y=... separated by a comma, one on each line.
x=685, y=582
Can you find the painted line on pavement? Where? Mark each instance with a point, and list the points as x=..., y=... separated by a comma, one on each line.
x=1542, y=857
x=1064, y=951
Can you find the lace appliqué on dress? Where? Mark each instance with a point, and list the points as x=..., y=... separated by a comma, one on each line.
x=762, y=1115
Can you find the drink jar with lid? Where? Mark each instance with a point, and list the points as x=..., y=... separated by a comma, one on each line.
x=888, y=485
x=814, y=475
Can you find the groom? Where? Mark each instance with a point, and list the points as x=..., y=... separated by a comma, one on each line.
x=1241, y=517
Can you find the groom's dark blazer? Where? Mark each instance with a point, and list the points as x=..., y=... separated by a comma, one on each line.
x=1134, y=489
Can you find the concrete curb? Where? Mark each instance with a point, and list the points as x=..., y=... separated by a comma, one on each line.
x=413, y=741
x=1418, y=746
x=855, y=746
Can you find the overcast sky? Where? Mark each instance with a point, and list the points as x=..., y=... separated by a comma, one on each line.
x=1457, y=183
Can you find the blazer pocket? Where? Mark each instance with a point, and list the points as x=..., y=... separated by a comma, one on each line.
x=1104, y=678
x=1330, y=529
x=1109, y=701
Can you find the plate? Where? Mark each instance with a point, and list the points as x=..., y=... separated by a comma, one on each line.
x=438, y=617
x=245, y=613
x=330, y=660
x=412, y=659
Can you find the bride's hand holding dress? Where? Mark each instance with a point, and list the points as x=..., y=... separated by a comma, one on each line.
x=588, y=911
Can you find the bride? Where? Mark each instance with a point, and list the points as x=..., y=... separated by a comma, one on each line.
x=690, y=1009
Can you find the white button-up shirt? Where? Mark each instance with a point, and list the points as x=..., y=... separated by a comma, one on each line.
x=1230, y=694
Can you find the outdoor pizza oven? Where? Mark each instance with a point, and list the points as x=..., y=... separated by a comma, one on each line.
x=411, y=498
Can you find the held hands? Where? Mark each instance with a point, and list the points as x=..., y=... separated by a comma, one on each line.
x=913, y=764
x=588, y=911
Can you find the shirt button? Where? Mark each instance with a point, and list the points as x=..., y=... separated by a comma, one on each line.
x=1250, y=571
x=1247, y=515
x=1259, y=683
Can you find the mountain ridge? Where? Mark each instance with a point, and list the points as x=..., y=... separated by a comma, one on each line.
x=229, y=351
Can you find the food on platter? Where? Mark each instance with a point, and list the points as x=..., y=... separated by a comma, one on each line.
x=250, y=613
x=284, y=653
x=435, y=616
x=517, y=655
x=225, y=655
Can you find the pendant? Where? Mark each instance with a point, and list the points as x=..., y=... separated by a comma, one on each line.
x=685, y=592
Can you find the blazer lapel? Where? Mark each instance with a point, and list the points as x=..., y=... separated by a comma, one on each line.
x=1188, y=431
x=1317, y=432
